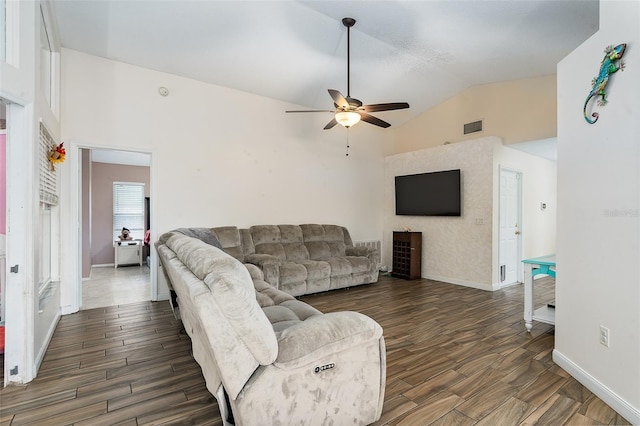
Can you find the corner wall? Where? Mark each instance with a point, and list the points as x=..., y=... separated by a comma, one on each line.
x=598, y=255
x=456, y=249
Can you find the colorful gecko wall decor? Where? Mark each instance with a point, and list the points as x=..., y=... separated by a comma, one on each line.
x=607, y=67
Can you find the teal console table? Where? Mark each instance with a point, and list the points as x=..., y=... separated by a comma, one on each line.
x=532, y=267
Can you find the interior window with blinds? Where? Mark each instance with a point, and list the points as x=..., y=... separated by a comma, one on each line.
x=48, y=192
x=128, y=209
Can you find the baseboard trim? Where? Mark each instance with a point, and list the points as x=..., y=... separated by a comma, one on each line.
x=502, y=286
x=41, y=353
x=625, y=409
x=162, y=296
x=479, y=286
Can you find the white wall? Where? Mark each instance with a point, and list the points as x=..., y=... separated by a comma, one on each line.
x=539, y=184
x=515, y=110
x=223, y=157
x=598, y=217
x=456, y=249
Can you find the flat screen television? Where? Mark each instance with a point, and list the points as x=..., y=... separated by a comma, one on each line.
x=429, y=194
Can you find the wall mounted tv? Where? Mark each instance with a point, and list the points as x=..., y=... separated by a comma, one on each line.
x=429, y=194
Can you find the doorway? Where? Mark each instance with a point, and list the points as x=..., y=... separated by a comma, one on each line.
x=510, y=226
x=105, y=282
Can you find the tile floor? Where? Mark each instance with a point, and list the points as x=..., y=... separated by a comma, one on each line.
x=109, y=286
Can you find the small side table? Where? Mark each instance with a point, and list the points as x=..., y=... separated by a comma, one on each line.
x=127, y=252
x=532, y=267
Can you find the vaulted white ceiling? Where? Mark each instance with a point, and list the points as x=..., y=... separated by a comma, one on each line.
x=421, y=52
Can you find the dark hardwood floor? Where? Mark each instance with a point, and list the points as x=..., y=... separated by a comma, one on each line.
x=455, y=356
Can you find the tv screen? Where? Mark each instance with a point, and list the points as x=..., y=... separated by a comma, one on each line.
x=429, y=194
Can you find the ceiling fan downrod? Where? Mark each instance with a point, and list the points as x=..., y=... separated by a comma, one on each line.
x=348, y=22
x=349, y=111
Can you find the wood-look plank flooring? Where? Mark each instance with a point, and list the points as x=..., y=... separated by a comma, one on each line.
x=455, y=356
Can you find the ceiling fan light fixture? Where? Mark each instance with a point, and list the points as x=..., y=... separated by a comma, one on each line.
x=347, y=118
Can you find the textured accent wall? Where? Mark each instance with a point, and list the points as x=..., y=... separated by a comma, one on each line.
x=454, y=249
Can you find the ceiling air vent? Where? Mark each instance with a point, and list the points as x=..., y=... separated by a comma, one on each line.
x=476, y=126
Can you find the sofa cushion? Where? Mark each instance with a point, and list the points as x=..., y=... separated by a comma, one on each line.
x=292, y=272
x=288, y=314
x=312, y=232
x=272, y=249
x=268, y=295
x=233, y=293
x=333, y=233
x=290, y=234
x=282, y=309
x=359, y=265
x=295, y=251
x=340, y=266
x=318, y=250
x=203, y=234
x=282, y=241
x=196, y=255
x=337, y=248
x=316, y=269
x=229, y=238
x=265, y=234
x=324, y=241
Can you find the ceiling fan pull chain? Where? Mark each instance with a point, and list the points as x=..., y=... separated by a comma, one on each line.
x=347, y=154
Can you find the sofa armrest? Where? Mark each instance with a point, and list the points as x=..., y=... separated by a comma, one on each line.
x=261, y=259
x=270, y=266
x=369, y=252
x=322, y=335
x=254, y=271
x=360, y=251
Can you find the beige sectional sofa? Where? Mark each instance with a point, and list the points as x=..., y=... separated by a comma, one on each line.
x=269, y=358
x=301, y=259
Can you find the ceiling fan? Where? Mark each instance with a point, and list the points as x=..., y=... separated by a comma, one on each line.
x=349, y=111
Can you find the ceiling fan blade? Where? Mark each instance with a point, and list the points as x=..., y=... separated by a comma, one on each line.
x=313, y=110
x=373, y=120
x=338, y=99
x=384, y=107
x=330, y=124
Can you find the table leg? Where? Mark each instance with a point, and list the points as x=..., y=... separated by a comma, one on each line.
x=528, y=296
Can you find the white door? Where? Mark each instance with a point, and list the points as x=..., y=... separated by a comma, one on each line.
x=510, y=226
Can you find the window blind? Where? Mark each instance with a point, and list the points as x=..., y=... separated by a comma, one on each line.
x=128, y=209
x=48, y=177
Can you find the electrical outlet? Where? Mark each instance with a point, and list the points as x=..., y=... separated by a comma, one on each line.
x=604, y=336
